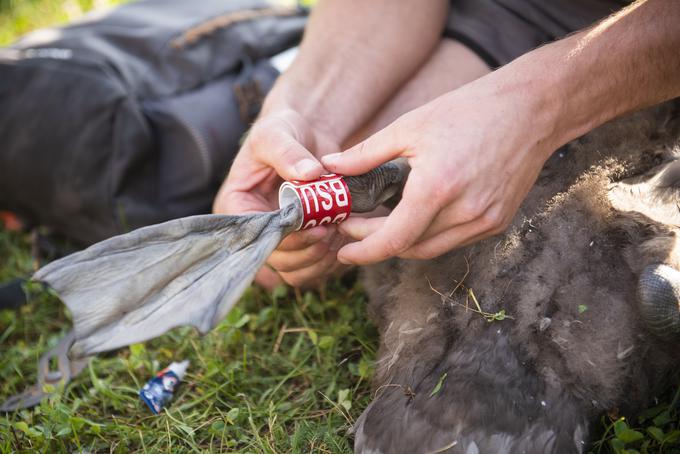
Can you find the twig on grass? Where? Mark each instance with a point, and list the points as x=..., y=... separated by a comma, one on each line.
x=340, y=409
x=467, y=271
x=285, y=330
x=488, y=316
x=444, y=448
x=408, y=391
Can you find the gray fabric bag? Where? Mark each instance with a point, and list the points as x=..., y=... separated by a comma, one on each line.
x=132, y=117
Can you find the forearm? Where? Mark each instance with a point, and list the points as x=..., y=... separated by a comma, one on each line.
x=354, y=55
x=627, y=62
x=476, y=151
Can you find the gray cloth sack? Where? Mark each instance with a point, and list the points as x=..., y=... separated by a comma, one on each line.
x=132, y=117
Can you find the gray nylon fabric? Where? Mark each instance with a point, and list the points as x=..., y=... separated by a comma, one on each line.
x=117, y=121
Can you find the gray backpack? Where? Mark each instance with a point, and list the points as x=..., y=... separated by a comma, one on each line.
x=132, y=117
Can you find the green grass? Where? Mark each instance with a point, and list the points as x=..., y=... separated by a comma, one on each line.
x=285, y=372
x=20, y=16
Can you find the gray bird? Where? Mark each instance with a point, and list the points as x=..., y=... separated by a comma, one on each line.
x=517, y=343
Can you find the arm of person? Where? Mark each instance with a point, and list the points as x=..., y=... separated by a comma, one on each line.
x=476, y=152
x=354, y=54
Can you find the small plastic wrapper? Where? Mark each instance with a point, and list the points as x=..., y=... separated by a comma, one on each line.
x=158, y=391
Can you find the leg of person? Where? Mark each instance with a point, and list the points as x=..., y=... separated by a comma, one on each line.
x=451, y=65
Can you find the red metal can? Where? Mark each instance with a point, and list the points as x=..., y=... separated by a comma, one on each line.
x=323, y=201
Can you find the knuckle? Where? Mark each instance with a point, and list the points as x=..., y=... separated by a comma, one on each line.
x=439, y=194
x=494, y=221
x=317, y=251
x=423, y=253
x=395, y=246
x=279, y=264
x=293, y=279
x=258, y=137
x=298, y=260
x=439, y=188
x=451, y=186
x=270, y=134
x=470, y=209
x=274, y=258
x=302, y=277
x=287, y=151
x=500, y=228
x=311, y=237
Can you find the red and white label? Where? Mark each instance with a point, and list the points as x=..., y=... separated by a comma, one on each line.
x=324, y=201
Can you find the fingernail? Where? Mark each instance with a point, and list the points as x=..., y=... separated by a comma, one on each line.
x=306, y=166
x=331, y=158
x=344, y=260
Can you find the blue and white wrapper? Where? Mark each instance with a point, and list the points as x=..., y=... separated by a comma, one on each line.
x=158, y=391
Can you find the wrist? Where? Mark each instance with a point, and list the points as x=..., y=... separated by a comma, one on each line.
x=296, y=94
x=622, y=64
x=552, y=100
x=526, y=106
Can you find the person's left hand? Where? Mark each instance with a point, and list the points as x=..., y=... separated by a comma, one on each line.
x=474, y=154
x=282, y=144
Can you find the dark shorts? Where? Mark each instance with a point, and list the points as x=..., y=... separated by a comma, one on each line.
x=501, y=30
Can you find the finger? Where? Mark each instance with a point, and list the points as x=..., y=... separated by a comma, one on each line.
x=288, y=261
x=287, y=157
x=364, y=156
x=311, y=274
x=230, y=200
x=238, y=202
x=268, y=278
x=402, y=228
x=300, y=240
x=456, y=237
x=360, y=228
x=462, y=211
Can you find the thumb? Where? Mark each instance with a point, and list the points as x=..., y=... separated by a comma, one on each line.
x=367, y=155
x=291, y=160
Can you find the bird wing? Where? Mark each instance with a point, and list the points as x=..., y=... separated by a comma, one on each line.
x=189, y=271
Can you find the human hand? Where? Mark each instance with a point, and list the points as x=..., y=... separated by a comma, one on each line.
x=474, y=155
x=282, y=144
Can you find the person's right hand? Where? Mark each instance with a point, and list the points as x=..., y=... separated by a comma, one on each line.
x=282, y=145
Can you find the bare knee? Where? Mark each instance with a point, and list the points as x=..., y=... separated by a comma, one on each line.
x=450, y=66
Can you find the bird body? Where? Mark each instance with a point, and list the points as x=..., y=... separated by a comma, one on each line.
x=528, y=336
